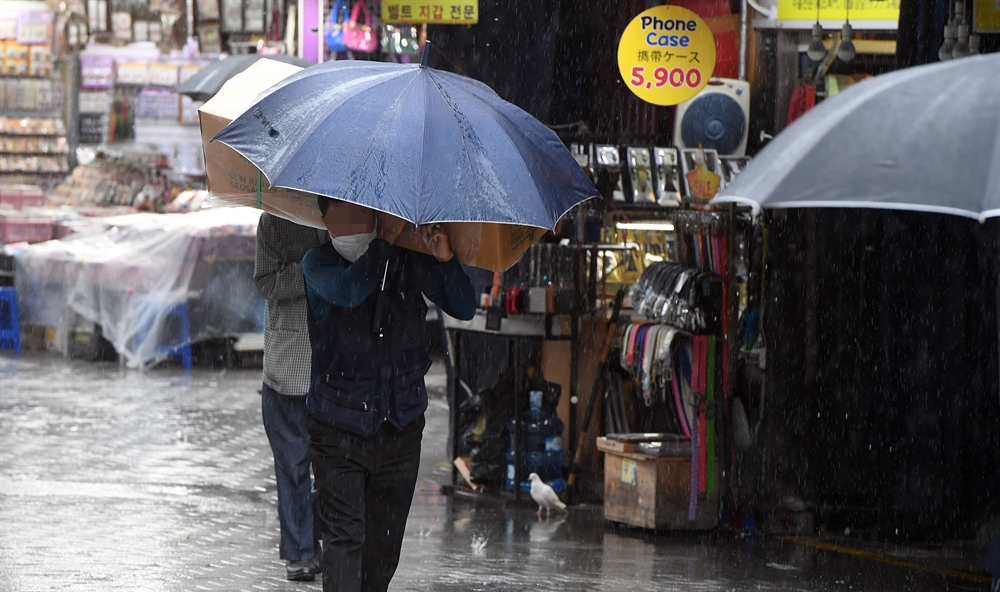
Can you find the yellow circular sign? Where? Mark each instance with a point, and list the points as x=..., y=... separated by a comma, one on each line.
x=666, y=55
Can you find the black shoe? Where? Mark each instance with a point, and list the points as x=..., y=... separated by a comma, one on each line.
x=300, y=571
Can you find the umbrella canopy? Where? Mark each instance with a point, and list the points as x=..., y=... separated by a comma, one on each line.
x=203, y=85
x=925, y=139
x=424, y=145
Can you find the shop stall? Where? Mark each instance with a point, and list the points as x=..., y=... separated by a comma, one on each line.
x=150, y=285
x=643, y=422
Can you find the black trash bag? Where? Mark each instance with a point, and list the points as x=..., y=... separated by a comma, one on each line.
x=470, y=427
x=488, y=466
x=551, y=391
x=486, y=437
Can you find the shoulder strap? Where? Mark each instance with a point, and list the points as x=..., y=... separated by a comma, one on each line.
x=360, y=5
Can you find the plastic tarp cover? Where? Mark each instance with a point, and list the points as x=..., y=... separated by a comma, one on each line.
x=130, y=275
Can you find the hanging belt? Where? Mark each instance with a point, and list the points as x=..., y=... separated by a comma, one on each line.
x=693, y=499
x=710, y=422
x=623, y=358
x=699, y=362
x=648, y=356
x=630, y=357
x=679, y=405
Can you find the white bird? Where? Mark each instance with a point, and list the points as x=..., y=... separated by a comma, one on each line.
x=544, y=496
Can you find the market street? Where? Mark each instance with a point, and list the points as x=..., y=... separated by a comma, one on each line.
x=115, y=479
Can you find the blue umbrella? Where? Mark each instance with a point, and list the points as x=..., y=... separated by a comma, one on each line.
x=425, y=145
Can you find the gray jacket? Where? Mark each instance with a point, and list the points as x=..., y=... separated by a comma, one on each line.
x=278, y=277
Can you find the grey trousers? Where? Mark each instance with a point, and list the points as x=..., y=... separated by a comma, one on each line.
x=285, y=424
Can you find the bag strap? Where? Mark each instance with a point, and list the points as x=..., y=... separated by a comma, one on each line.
x=339, y=10
x=358, y=6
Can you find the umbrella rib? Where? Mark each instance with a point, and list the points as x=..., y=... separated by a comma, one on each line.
x=447, y=99
x=379, y=137
x=371, y=147
x=513, y=124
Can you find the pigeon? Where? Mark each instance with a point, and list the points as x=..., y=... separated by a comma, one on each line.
x=544, y=496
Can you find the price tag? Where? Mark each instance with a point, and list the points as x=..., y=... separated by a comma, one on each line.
x=629, y=470
x=666, y=55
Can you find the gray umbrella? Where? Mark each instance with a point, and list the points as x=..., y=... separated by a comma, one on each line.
x=203, y=85
x=924, y=139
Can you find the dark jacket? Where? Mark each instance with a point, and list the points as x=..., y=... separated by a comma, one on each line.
x=368, y=370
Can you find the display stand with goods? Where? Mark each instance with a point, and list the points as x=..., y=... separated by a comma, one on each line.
x=33, y=139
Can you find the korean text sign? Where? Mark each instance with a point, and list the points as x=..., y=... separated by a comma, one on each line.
x=436, y=12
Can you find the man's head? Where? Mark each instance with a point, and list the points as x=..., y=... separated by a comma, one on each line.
x=343, y=218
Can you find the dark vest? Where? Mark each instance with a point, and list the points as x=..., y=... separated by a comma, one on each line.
x=364, y=377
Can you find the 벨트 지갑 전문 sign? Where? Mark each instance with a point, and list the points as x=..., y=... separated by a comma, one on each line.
x=435, y=12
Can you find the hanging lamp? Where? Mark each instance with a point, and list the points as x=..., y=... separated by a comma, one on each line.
x=973, y=44
x=846, y=51
x=948, y=45
x=816, y=50
x=961, y=48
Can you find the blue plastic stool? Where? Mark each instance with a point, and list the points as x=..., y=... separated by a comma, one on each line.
x=10, y=330
x=181, y=350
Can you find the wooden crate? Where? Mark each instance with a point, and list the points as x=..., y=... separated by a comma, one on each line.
x=605, y=445
x=653, y=492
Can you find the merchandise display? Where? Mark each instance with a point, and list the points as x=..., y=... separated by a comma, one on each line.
x=151, y=282
x=144, y=183
x=33, y=145
x=30, y=94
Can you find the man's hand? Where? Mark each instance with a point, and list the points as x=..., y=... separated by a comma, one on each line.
x=437, y=241
x=388, y=227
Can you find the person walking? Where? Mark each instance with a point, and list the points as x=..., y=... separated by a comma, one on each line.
x=367, y=401
x=281, y=245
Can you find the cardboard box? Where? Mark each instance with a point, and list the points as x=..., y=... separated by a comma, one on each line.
x=653, y=492
x=229, y=174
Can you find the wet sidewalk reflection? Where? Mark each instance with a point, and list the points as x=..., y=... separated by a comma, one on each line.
x=119, y=480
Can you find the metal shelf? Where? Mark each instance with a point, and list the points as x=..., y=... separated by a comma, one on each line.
x=31, y=153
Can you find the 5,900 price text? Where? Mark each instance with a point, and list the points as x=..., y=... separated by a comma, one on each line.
x=675, y=77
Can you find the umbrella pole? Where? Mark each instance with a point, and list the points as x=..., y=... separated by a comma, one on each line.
x=427, y=52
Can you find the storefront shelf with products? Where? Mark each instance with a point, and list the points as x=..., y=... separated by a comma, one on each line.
x=25, y=77
x=35, y=135
x=30, y=144
x=32, y=126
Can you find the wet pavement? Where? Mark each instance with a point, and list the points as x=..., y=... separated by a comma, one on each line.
x=118, y=480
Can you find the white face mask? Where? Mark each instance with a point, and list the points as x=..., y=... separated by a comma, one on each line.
x=352, y=246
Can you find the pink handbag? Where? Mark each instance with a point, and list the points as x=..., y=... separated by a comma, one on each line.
x=358, y=37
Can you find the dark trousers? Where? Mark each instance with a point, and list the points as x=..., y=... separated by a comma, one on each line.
x=285, y=424
x=365, y=487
